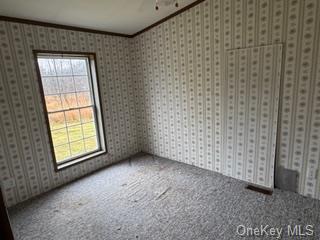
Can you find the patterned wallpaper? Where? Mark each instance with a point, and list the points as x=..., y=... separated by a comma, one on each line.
x=164, y=91
x=250, y=103
x=180, y=71
x=24, y=144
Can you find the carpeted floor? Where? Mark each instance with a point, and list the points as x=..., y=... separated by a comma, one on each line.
x=153, y=198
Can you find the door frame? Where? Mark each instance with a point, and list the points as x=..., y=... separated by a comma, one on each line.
x=5, y=226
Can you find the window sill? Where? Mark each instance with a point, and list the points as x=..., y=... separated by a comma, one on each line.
x=65, y=165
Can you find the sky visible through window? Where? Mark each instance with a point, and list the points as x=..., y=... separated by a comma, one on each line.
x=70, y=106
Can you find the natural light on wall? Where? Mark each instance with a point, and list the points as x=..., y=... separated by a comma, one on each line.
x=70, y=94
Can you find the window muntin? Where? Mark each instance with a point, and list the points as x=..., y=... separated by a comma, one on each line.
x=70, y=92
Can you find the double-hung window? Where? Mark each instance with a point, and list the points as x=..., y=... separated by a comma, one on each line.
x=70, y=93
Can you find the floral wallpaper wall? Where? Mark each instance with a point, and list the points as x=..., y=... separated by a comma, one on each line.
x=180, y=68
x=251, y=100
x=24, y=144
x=165, y=92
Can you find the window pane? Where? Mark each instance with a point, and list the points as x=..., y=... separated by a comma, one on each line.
x=75, y=133
x=84, y=99
x=73, y=117
x=89, y=129
x=63, y=67
x=53, y=103
x=87, y=114
x=79, y=67
x=59, y=136
x=69, y=100
x=50, y=85
x=46, y=67
x=62, y=152
x=66, y=84
x=77, y=148
x=91, y=144
x=81, y=83
x=57, y=120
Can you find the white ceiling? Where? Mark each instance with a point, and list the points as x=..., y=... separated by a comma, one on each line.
x=121, y=16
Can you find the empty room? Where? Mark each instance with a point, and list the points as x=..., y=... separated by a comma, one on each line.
x=159, y=119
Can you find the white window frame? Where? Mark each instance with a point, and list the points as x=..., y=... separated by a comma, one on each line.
x=96, y=106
